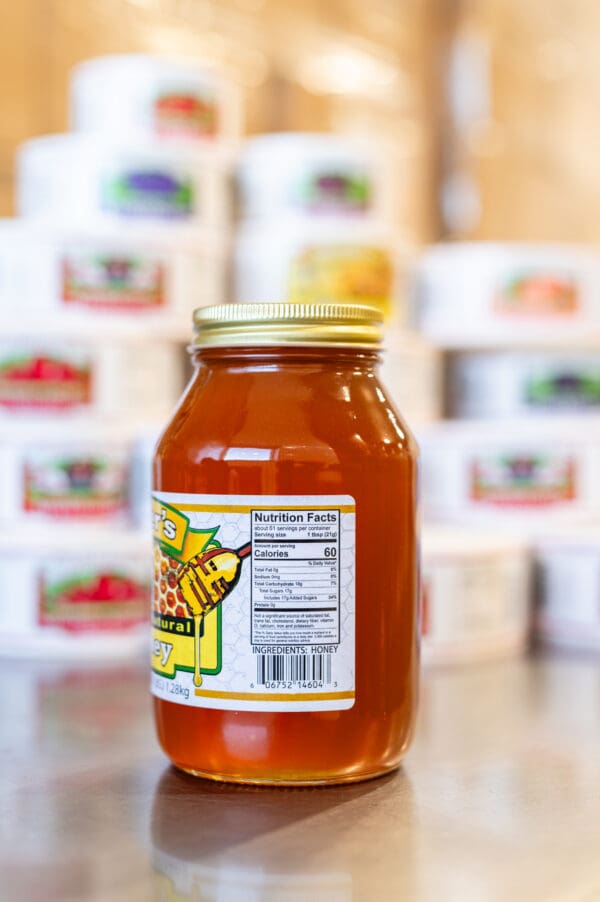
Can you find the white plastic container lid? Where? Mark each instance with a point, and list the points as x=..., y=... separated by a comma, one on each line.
x=569, y=429
x=285, y=149
x=149, y=237
x=95, y=541
x=46, y=150
x=126, y=93
x=398, y=340
x=84, y=429
x=575, y=538
x=258, y=236
x=41, y=330
x=467, y=262
x=153, y=327
x=441, y=543
x=455, y=254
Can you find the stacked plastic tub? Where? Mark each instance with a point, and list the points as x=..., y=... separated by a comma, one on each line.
x=121, y=233
x=318, y=222
x=519, y=458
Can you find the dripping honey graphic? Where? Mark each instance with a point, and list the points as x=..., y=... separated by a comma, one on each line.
x=205, y=580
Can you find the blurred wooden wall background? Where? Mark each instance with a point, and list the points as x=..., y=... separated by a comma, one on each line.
x=277, y=48
x=492, y=103
x=522, y=134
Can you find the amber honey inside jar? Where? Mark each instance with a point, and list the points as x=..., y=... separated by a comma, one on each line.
x=286, y=579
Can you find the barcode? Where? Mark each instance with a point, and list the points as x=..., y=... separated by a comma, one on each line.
x=293, y=668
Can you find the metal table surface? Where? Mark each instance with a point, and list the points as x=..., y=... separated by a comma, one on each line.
x=499, y=799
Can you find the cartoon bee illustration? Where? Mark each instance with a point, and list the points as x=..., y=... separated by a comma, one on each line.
x=205, y=580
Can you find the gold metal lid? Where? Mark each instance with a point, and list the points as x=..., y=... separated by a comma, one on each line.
x=346, y=325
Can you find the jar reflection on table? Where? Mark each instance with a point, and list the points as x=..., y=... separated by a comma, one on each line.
x=225, y=842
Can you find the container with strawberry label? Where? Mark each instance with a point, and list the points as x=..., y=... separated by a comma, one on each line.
x=75, y=375
x=74, y=595
x=33, y=379
x=88, y=599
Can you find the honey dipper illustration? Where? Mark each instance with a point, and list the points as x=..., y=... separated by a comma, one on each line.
x=205, y=580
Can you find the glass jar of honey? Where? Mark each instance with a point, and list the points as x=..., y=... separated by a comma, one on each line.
x=285, y=640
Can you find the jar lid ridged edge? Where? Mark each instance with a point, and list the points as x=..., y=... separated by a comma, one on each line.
x=351, y=324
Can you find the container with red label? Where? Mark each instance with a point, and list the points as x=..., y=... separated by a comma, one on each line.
x=182, y=112
x=516, y=472
x=492, y=294
x=154, y=97
x=105, y=597
x=49, y=268
x=88, y=596
x=73, y=374
x=75, y=484
x=62, y=477
x=50, y=378
x=112, y=280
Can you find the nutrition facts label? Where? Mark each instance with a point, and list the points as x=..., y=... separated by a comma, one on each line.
x=295, y=581
x=254, y=601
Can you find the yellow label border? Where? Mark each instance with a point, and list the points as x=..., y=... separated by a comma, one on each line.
x=248, y=508
x=275, y=696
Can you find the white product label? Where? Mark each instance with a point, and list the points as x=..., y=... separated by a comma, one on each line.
x=254, y=601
